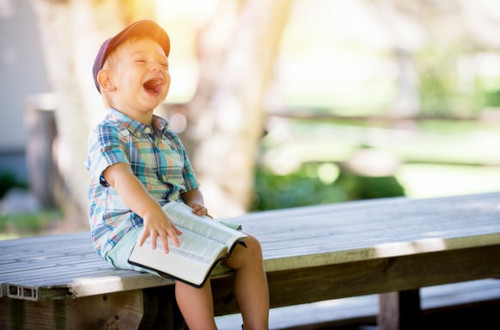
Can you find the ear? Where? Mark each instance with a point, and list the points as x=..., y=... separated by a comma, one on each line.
x=105, y=81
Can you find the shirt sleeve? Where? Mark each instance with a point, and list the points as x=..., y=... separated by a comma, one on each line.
x=105, y=149
x=188, y=175
x=190, y=180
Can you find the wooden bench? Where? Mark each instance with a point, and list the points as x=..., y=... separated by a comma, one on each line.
x=390, y=247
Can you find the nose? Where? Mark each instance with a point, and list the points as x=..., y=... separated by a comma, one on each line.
x=157, y=67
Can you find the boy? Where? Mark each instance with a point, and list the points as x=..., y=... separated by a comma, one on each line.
x=137, y=165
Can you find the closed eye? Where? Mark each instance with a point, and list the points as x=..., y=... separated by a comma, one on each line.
x=139, y=59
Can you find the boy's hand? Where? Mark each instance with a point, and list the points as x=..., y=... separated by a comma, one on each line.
x=194, y=199
x=159, y=227
x=199, y=209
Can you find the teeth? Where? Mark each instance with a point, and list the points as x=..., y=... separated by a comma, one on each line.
x=153, y=83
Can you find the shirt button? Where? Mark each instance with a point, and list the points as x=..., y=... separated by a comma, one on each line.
x=147, y=130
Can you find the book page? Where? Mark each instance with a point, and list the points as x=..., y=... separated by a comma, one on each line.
x=182, y=216
x=192, y=268
x=197, y=247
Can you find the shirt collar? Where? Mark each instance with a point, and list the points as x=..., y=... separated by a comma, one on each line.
x=137, y=128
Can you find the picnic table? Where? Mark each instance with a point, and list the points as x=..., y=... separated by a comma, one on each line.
x=392, y=247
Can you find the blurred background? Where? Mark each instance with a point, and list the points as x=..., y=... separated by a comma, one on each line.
x=280, y=103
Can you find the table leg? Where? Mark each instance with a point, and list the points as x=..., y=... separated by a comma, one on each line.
x=399, y=310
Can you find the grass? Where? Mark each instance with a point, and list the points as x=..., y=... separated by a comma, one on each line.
x=28, y=224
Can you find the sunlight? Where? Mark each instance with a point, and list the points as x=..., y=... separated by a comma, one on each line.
x=373, y=162
x=328, y=173
x=404, y=248
x=183, y=20
x=87, y=286
x=198, y=9
x=284, y=162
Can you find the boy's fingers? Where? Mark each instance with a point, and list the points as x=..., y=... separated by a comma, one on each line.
x=175, y=240
x=176, y=230
x=172, y=232
x=154, y=236
x=164, y=242
x=145, y=235
x=200, y=210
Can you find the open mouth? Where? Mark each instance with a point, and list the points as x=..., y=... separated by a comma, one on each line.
x=153, y=85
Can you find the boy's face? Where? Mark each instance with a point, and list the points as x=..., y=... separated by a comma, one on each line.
x=139, y=79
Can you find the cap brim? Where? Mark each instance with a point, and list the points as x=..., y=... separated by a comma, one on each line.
x=144, y=28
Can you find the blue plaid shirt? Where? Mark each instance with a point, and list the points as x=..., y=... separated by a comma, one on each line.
x=157, y=158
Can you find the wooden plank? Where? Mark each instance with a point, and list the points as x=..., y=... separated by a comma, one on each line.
x=87, y=283
x=52, y=267
x=87, y=286
x=124, y=310
x=370, y=276
x=298, y=256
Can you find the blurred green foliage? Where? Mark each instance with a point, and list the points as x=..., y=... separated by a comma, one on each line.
x=366, y=187
x=8, y=181
x=300, y=188
x=273, y=191
x=28, y=224
x=492, y=98
x=23, y=224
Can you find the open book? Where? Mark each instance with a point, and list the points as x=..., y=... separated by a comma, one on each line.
x=203, y=243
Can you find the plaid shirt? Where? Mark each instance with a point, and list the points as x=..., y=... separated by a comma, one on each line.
x=158, y=159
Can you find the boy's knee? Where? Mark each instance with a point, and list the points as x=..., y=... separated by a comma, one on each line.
x=253, y=245
x=251, y=253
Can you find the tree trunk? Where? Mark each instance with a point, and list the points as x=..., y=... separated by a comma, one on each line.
x=237, y=52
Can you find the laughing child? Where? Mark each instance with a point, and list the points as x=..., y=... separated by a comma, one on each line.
x=137, y=165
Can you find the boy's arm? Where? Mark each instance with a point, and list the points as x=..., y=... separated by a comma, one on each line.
x=137, y=198
x=194, y=199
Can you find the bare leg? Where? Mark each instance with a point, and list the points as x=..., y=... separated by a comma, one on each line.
x=196, y=305
x=250, y=284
